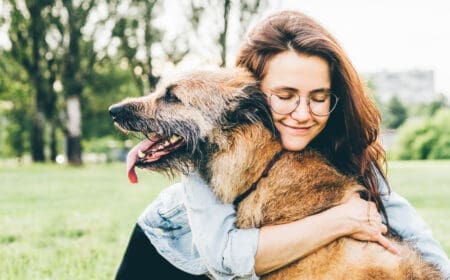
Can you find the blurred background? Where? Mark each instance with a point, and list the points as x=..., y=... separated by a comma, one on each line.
x=63, y=63
x=66, y=208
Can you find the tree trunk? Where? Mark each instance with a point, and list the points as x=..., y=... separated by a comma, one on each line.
x=74, y=150
x=36, y=73
x=73, y=134
x=53, y=141
x=72, y=79
x=149, y=39
x=223, y=34
x=37, y=138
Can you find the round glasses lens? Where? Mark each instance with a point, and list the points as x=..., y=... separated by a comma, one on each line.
x=284, y=103
x=322, y=103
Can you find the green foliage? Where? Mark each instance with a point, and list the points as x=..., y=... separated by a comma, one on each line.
x=395, y=113
x=427, y=138
x=15, y=115
x=109, y=84
x=441, y=123
x=32, y=49
x=53, y=48
x=428, y=109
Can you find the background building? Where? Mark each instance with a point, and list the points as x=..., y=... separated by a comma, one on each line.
x=414, y=86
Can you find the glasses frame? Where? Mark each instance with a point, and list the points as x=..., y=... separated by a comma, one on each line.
x=308, y=100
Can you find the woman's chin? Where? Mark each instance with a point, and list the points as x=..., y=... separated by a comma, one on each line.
x=294, y=146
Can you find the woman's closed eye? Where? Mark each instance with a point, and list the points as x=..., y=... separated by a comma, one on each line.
x=319, y=97
x=285, y=96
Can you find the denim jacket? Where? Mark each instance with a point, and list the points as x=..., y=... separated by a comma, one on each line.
x=217, y=248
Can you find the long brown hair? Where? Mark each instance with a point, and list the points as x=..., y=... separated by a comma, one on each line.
x=350, y=137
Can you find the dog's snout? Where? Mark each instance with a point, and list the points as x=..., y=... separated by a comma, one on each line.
x=115, y=111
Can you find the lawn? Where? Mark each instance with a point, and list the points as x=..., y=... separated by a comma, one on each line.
x=59, y=222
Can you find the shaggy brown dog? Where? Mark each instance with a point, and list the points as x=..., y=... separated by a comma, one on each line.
x=220, y=123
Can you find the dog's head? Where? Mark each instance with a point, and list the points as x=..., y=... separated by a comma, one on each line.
x=183, y=120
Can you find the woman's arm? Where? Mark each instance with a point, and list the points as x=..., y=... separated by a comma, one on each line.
x=408, y=224
x=242, y=252
x=228, y=252
x=305, y=236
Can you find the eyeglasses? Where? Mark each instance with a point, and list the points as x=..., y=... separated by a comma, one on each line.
x=320, y=103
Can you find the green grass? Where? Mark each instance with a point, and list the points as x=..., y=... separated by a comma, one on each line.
x=426, y=185
x=59, y=222
x=68, y=223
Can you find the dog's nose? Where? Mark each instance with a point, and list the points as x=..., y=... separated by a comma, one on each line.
x=114, y=111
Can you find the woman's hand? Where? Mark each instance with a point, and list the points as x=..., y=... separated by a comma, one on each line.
x=355, y=218
x=365, y=222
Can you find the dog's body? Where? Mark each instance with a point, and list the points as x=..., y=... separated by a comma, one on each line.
x=222, y=127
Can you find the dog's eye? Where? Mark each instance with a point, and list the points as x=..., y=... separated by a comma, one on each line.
x=170, y=97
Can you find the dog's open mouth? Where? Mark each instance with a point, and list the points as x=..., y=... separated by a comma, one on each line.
x=151, y=150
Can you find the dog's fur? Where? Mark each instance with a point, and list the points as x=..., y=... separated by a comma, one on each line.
x=229, y=138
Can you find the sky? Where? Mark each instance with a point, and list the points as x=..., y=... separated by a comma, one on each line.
x=394, y=35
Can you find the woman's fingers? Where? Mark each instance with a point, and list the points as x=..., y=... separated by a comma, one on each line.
x=378, y=229
x=384, y=229
x=371, y=227
x=388, y=245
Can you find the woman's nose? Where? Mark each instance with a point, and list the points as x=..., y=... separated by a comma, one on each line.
x=302, y=112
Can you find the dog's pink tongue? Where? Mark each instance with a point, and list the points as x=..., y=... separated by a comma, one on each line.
x=132, y=157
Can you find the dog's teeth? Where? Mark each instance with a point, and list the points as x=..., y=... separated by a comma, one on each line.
x=174, y=138
x=141, y=154
x=166, y=143
x=152, y=135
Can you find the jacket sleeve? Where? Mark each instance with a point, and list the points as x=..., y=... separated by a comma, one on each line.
x=228, y=252
x=407, y=223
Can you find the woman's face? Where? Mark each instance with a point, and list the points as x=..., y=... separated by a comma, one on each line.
x=290, y=73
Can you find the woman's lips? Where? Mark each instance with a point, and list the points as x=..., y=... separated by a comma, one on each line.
x=297, y=129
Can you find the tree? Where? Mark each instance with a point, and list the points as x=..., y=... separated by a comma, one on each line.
x=139, y=36
x=427, y=138
x=49, y=42
x=75, y=56
x=435, y=105
x=77, y=66
x=109, y=83
x=55, y=42
x=148, y=47
x=15, y=114
x=247, y=9
x=396, y=113
x=28, y=26
x=223, y=34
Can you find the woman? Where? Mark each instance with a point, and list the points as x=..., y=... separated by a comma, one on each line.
x=297, y=61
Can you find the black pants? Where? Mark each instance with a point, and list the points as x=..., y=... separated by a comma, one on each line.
x=142, y=261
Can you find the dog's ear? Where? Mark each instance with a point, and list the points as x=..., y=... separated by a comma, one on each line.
x=252, y=108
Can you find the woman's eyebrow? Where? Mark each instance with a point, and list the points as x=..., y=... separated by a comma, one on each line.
x=320, y=90
x=284, y=90
x=294, y=90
